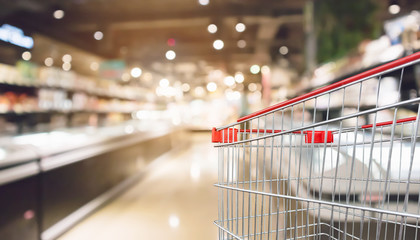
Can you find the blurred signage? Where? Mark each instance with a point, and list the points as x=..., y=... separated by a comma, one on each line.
x=395, y=27
x=112, y=69
x=15, y=36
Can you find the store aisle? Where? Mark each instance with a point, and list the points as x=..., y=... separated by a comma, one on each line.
x=175, y=200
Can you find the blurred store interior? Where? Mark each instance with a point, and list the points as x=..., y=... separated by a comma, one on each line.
x=106, y=107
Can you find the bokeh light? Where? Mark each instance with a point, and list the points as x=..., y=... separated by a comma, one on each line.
x=136, y=72
x=218, y=44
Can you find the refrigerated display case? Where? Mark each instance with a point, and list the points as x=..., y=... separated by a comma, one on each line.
x=49, y=181
x=19, y=184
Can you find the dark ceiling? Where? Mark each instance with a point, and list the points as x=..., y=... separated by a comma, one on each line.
x=137, y=30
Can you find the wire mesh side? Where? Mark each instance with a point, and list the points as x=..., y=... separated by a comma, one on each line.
x=277, y=181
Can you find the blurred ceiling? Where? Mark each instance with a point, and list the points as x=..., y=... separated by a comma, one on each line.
x=138, y=31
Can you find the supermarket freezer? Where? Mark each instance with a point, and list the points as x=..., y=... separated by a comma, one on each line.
x=19, y=186
x=75, y=172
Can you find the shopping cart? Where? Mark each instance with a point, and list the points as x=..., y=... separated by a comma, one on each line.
x=340, y=162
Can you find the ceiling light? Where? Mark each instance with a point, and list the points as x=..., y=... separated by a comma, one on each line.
x=211, y=87
x=229, y=81
x=173, y=221
x=255, y=69
x=185, y=87
x=98, y=35
x=58, y=14
x=49, y=61
x=135, y=72
x=283, y=50
x=26, y=56
x=394, y=9
x=125, y=77
x=199, y=91
x=241, y=43
x=239, y=77
x=232, y=95
x=265, y=69
x=66, y=58
x=240, y=27
x=204, y=2
x=170, y=55
x=212, y=28
x=218, y=44
x=66, y=66
x=94, y=66
x=164, y=82
x=252, y=87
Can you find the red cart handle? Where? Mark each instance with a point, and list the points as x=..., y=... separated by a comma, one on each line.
x=230, y=135
x=354, y=78
x=402, y=120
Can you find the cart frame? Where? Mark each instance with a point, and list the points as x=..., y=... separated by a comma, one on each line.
x=330, y=164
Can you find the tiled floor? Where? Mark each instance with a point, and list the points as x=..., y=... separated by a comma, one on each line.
x=175, y=200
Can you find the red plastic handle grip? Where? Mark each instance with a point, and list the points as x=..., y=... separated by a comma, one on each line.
x=230, y=135
x=402, y=120
x=354, y=78
x=226, y=135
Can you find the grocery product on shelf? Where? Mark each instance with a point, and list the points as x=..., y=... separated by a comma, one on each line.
x=64, y=91
x=45, y=98
x=17, y=102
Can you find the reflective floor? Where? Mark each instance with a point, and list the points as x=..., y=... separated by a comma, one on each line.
x=175, y=200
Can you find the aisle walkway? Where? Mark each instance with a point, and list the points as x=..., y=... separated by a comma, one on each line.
x=175, y=200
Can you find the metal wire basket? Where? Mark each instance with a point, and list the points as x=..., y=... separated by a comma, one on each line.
x=337, y=163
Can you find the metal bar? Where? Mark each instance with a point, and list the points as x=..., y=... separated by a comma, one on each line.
x=332, y=90
x=387, y=123
x=263, y=169
x=250, y=185
x=323, y=164
x=411, y=59
x=256, y=173
x=227, y=231
x=403, y=120
x=350, y=144
x=369, y=209
x=413, y=148
x=311, y=163
x=243, y=194
x=352, y=186
x=393, y=122
x=271, y=177
x=366, y=112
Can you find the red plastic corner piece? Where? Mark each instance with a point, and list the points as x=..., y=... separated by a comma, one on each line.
x=319, y=137
x=215, y=136
x=227, y=135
